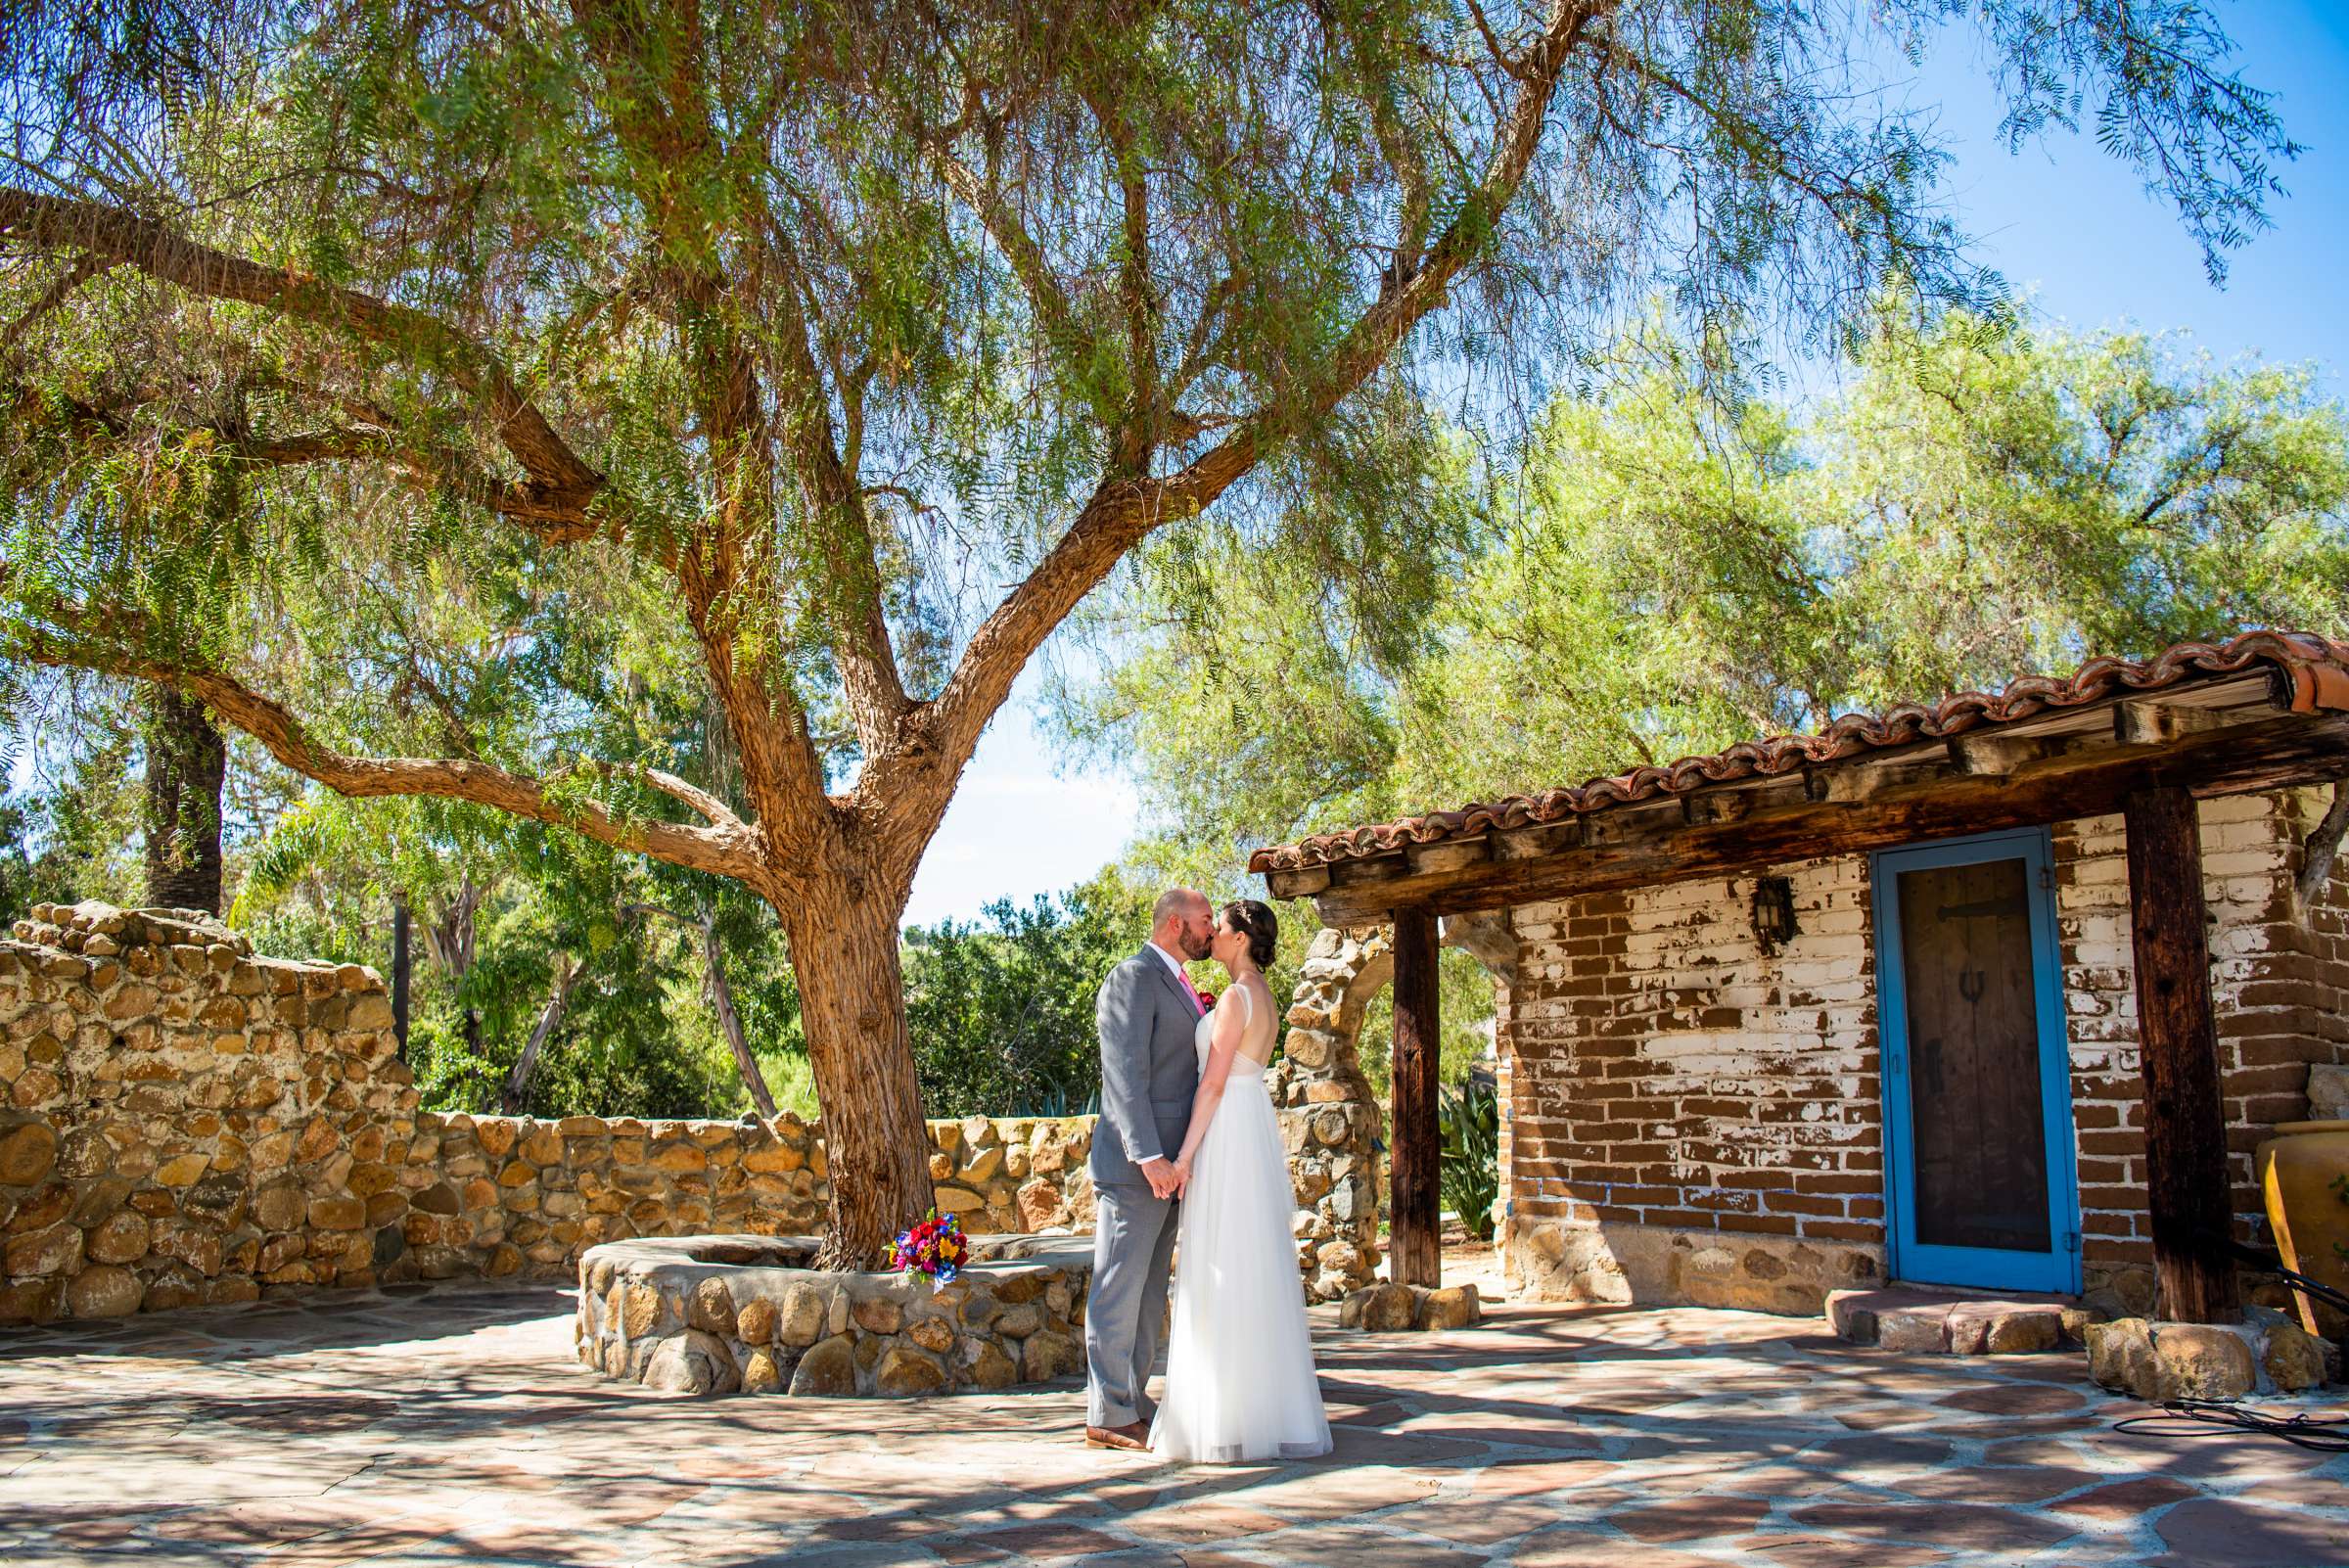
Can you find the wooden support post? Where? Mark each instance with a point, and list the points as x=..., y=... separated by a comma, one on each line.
x=1414, y=1246
x=2186, y=1124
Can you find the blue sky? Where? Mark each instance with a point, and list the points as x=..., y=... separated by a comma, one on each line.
x=2076, y=229
x=1018, y=827
x=2062, y=221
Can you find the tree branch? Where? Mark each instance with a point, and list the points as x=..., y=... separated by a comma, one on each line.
x=916, y=786
x=1207, y=339
x=660, y=113
x=389, y=605
x=559, y=486
x=721, y=998
x=2319, y=850
x=714, y=811
x=516, y=1094
x=727, y=850
x=868, y=665
x=379, y=442
x=1744, y=133
x=1045, y=297
x=59, y=289
x=1135, y=294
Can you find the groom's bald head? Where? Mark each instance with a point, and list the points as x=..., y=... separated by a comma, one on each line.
x=1182, y=922
x=1175, y=903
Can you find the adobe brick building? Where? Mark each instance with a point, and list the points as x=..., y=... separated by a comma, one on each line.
x=1690, y=1118
x=1819, y=1012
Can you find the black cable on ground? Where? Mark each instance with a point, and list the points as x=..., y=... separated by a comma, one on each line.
x=2202, y=1418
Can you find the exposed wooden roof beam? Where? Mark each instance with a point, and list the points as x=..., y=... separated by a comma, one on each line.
x=1627, y=848
x=2146, y=722
x=1993, y=754
x=2131, y=705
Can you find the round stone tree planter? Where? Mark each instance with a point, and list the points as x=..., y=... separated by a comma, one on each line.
x=746, y=1315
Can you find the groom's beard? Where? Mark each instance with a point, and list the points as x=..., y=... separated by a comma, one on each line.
x=1196, y=947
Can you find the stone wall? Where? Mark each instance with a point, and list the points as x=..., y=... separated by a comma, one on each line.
x=183, y=1122
x=1329, y=1117
x=1686, y=1118
x=188, y=1122
x=725, y=1315
x=495, y=1196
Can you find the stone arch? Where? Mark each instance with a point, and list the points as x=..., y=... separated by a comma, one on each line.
x=1330, y=1116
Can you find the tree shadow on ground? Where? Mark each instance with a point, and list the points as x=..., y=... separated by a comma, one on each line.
x=1601, y=1397
x=294, y=1327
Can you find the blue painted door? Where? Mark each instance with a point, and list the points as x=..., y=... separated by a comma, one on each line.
x=1977, y=1089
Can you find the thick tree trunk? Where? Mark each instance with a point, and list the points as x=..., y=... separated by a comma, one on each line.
x=186, y=763
x=721, y=1002
x=843, y=952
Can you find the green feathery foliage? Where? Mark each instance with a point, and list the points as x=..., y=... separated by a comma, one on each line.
x=1656, y=576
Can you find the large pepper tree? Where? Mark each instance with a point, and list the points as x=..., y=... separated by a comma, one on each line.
x=827, y=355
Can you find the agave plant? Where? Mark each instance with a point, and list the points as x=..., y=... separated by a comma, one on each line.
x=1470, y=1116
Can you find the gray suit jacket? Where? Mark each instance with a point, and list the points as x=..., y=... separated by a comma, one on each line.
x=1149, y=1069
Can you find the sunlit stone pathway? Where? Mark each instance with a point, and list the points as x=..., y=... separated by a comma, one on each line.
x=456, y=1427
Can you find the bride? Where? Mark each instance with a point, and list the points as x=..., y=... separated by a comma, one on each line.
x=1240, y=1379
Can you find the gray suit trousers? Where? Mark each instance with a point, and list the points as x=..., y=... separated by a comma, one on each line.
x=1125, y=1310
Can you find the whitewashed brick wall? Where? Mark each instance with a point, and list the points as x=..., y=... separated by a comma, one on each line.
x=1659, y=1070
x=1664, y=1071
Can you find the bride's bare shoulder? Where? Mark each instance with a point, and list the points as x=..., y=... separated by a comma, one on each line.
x=1260, y=996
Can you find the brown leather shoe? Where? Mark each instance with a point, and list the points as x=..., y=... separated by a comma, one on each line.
x=1132, y=1435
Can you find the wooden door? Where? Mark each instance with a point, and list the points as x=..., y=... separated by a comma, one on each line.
x=1977, y=1088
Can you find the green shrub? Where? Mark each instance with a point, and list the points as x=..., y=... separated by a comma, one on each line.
x=1000, y=1015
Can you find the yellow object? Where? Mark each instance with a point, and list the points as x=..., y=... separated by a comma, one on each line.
x=2296, y=1174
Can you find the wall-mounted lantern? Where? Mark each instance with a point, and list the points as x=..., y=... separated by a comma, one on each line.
x=1773, y=913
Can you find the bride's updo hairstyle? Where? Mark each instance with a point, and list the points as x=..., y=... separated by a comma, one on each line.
x=1255, y=921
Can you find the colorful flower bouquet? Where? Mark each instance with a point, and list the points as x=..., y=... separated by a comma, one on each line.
x=936, y=1246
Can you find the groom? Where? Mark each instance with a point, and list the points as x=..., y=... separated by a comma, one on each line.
x=1146, y=1014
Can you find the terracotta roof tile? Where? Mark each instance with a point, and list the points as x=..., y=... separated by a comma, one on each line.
x=2314, y=672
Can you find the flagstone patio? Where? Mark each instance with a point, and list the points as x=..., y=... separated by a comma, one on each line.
x=455, y=1426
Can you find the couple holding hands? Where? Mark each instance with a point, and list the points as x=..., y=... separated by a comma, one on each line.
x=1188, y=1155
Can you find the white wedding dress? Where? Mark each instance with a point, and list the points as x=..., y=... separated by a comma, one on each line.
x=1240, y=1382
